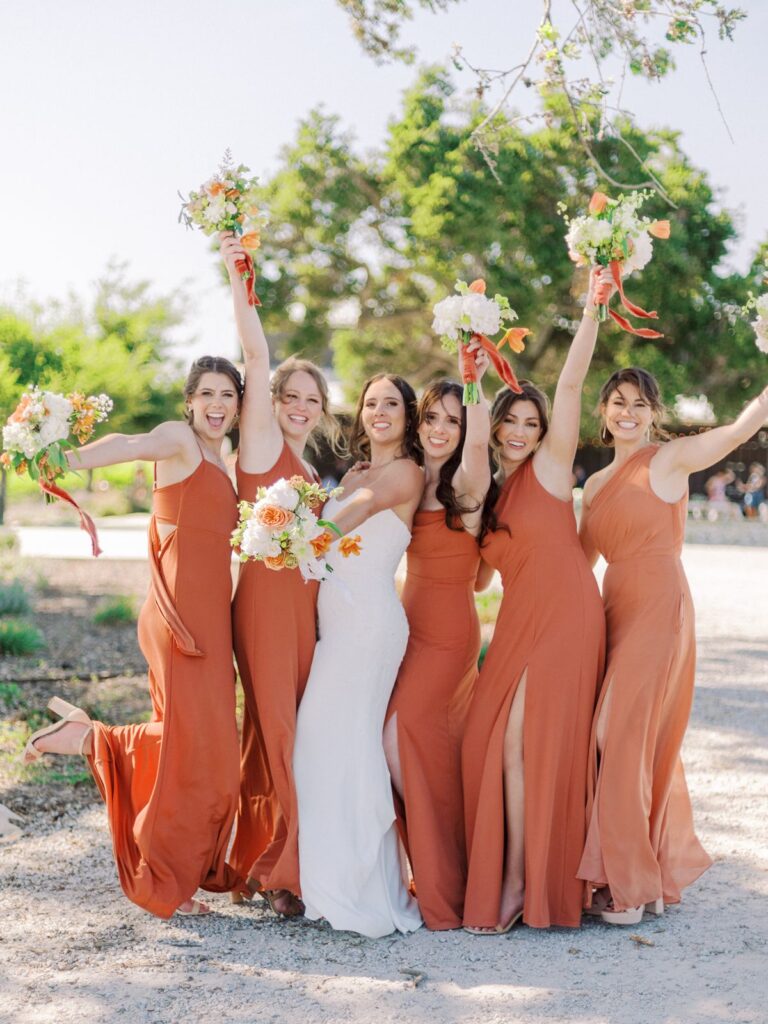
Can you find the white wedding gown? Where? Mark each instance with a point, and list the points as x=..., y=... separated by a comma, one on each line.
x=348, y=845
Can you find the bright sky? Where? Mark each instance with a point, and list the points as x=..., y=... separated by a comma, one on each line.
x=111, y=107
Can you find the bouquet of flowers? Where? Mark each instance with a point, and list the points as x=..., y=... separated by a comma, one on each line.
x=613, y=234
x=228, y=201
x=471, y=316
x=37, y=435
x=282, y=530
x=760, y=306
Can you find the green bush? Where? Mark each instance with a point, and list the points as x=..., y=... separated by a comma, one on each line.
x=18, y=637
x=13, y=598
x=115, y=611
x=8, y=540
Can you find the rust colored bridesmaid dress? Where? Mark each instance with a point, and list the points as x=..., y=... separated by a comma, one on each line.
x=170, y=785
x=641, y=840
x=431, y=699
x=274, y=618
x=550, y=623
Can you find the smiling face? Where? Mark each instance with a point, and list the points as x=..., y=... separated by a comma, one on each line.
x=440, y=428
x=383, y=414
x=518, y=434
x=299, y=406
x=627, y=414
x=213, y=406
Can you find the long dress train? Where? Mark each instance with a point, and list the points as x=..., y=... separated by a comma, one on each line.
x=431, y=699
x=348, y=844
x=274, y=634
x=551, y=624
x=170, y=785
x=641, y=840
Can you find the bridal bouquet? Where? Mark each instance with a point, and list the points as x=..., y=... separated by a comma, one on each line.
x=471, y=316
x=613, y=234
x=228, y=201
x=760, y=306
x=282, y=530
x=37, y=435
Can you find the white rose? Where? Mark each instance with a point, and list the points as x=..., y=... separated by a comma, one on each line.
x=761, y=334
x=640, y=253
x=599, y=231
x=480, y=313
x=447, y=314
x=576, y=240
x=281, y=493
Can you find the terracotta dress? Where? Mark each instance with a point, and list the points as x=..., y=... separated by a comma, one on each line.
x=170, y=785
x=274, y=618
x=550, y=623
x=641, y=840
x=431, y=700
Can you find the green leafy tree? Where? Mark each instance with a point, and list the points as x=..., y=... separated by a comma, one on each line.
x=363, y=248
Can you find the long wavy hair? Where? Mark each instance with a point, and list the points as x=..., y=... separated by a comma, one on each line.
x=328, y=427
x=648, y=387
x=359, y=446
x=444, y=492
x=504, y=401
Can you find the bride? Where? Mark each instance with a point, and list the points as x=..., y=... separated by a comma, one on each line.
x=348, y=846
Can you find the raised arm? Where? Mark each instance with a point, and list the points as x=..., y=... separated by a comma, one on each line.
x=473, y=477
x=554, y=459
x=260, y=436
x=399, y=487
x=684, y=455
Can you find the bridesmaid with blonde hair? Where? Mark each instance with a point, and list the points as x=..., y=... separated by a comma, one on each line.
x=274, y=613
x=527, y=736
x=429, y=705
x=641, y=849
x=170, y=785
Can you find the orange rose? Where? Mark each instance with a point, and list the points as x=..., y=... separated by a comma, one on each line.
x=251, y=240
x=514, y=338
x=659, y=229
x=274, y=517
x=275, y=562
x=215, y=189
x=5, y=458
x=598, y=202
x=351, y=545
x=320, y=545
x=478, y=286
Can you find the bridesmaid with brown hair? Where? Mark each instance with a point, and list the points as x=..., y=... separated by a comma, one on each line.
x=170, y=785
x=429, y=705
x=641, y=849
x=274, y=613
x=527, y=736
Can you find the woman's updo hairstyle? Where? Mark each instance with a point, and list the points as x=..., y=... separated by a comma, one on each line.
x=210, y=364
x=649, y=389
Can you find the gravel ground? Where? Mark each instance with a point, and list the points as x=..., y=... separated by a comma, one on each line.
x=72, y=949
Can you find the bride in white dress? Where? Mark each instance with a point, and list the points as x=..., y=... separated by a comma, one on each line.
x=348, y=844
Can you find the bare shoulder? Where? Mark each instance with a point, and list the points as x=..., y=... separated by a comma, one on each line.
x=407, y=473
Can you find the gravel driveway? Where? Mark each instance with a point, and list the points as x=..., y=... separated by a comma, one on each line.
x=73, y=949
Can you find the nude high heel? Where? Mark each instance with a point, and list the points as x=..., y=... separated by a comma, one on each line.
x=634, y=915
x=67, y=713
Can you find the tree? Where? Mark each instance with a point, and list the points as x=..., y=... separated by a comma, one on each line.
x=580, y=53
x=365, y=247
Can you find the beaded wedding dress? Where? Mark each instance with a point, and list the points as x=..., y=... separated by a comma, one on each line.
x=348, y=845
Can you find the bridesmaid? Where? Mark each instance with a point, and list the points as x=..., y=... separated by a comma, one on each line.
x=273, y=612
x=641, y=849
x=170, y=785
x=429, y=705
x=527, y=736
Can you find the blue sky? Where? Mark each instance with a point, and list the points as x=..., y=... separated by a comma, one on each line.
x=110, y=108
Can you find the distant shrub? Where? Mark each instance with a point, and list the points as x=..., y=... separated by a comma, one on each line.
x=19, y=638
x=115, y=611
x=8, y=540
x=13, y=598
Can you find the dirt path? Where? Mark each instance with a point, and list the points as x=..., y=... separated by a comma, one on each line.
x=72, y=949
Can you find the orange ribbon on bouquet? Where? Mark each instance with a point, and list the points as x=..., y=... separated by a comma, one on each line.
x=86, y=523
x=513, y=337
x=244, y=267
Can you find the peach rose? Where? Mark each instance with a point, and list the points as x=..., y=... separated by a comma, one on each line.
x=659, y=229
x=274, y=517
x=275, y=562
x=598, y=202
